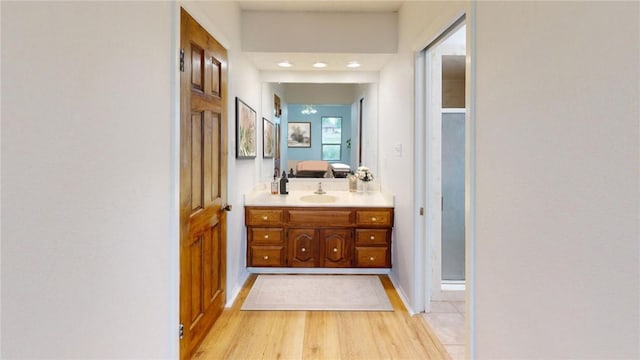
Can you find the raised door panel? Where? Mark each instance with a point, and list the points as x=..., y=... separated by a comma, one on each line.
x=204, y=270
x=195, y=159
x=197, y=67
x=303, y=247
x=212, y=159
x=337, y=247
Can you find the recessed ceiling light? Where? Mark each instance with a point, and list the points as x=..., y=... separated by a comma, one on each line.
x=353, y=64
x=320, y=65
x=285, y=64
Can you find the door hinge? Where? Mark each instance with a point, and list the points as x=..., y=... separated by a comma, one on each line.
x=181, y=60
x=181, y=331
x=421, y=211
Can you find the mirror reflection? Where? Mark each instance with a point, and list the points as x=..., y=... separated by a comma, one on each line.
x=323, y=130
x=318, y=138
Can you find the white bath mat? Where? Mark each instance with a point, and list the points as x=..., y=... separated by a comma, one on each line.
x=318, y=292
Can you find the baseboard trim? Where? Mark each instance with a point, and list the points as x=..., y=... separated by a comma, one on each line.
x=453, y=285
x=233, y=294
x=403, y=296
x=263, y=270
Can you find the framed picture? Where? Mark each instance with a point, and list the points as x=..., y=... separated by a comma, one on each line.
x=299, y=134
x=268, y=139
x=246, y=147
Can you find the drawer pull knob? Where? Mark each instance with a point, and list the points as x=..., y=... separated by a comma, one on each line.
x=372, y=237
x=374, y=219
x=266, y=257
x=266, y=236
x=371, y=258
x=335, y=249
x=303, y=249
x=265, y=217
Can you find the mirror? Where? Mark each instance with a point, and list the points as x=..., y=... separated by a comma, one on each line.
x=333, y=122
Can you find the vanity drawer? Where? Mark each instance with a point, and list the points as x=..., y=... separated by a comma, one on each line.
x=266, y=256
x=320, y=217
x=374, y=217
x=372, y=256
x=264, y=217
x=372, y=236
x=266, y=236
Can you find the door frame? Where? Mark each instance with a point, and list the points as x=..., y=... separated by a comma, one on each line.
x=422, y=240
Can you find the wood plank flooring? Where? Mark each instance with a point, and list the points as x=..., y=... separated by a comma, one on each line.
x=326, y=335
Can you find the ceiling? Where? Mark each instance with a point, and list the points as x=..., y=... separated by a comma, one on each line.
x=267, y=61
x=304, y=61
x=330, y=5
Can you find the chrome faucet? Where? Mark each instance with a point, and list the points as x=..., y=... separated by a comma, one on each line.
x=319, y=191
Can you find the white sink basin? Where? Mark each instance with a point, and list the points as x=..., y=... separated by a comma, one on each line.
x=319, y=199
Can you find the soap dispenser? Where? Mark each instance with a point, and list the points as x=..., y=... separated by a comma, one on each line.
x=274, y=186
x=284, y=184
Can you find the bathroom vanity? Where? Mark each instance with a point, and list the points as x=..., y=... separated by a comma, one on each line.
x=339, y=229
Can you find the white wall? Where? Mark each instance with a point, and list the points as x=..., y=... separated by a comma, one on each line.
x=86, y=180
x=419, y=23
x=323, y=94
x=331, y=32
x=87, y=251
x=89, y=242
x=268, y=112
x=558, y=196
x=557, y=173
x=370, y=129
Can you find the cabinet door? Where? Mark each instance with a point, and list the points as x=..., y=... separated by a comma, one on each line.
x=337, y=247
x=303, y=247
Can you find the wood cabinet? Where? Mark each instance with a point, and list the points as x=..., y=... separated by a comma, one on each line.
x=372, y=248
x=337, y=247
x=303, y=248
x=333, y=237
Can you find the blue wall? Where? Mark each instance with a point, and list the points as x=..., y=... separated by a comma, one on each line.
x=315, y=151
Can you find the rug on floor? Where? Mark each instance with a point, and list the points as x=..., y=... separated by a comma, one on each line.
x=318, y=292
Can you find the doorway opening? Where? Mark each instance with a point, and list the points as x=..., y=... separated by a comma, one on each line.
x=442, y=129
x=445, y=76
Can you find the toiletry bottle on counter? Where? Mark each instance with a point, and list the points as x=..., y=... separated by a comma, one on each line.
x=274, y=186
x=353, y=183
x=284, y=184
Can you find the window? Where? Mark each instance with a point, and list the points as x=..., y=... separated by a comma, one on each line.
x=331, y=138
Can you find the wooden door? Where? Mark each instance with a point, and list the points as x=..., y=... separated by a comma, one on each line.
x=203, y=163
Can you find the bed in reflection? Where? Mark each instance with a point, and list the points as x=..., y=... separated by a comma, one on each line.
x=318, y=169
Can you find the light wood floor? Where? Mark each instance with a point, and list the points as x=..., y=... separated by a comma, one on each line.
x=326, y=335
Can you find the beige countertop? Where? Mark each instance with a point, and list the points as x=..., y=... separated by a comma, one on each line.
x=337, y=198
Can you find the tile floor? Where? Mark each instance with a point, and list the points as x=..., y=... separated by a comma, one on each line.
x=447, y=321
